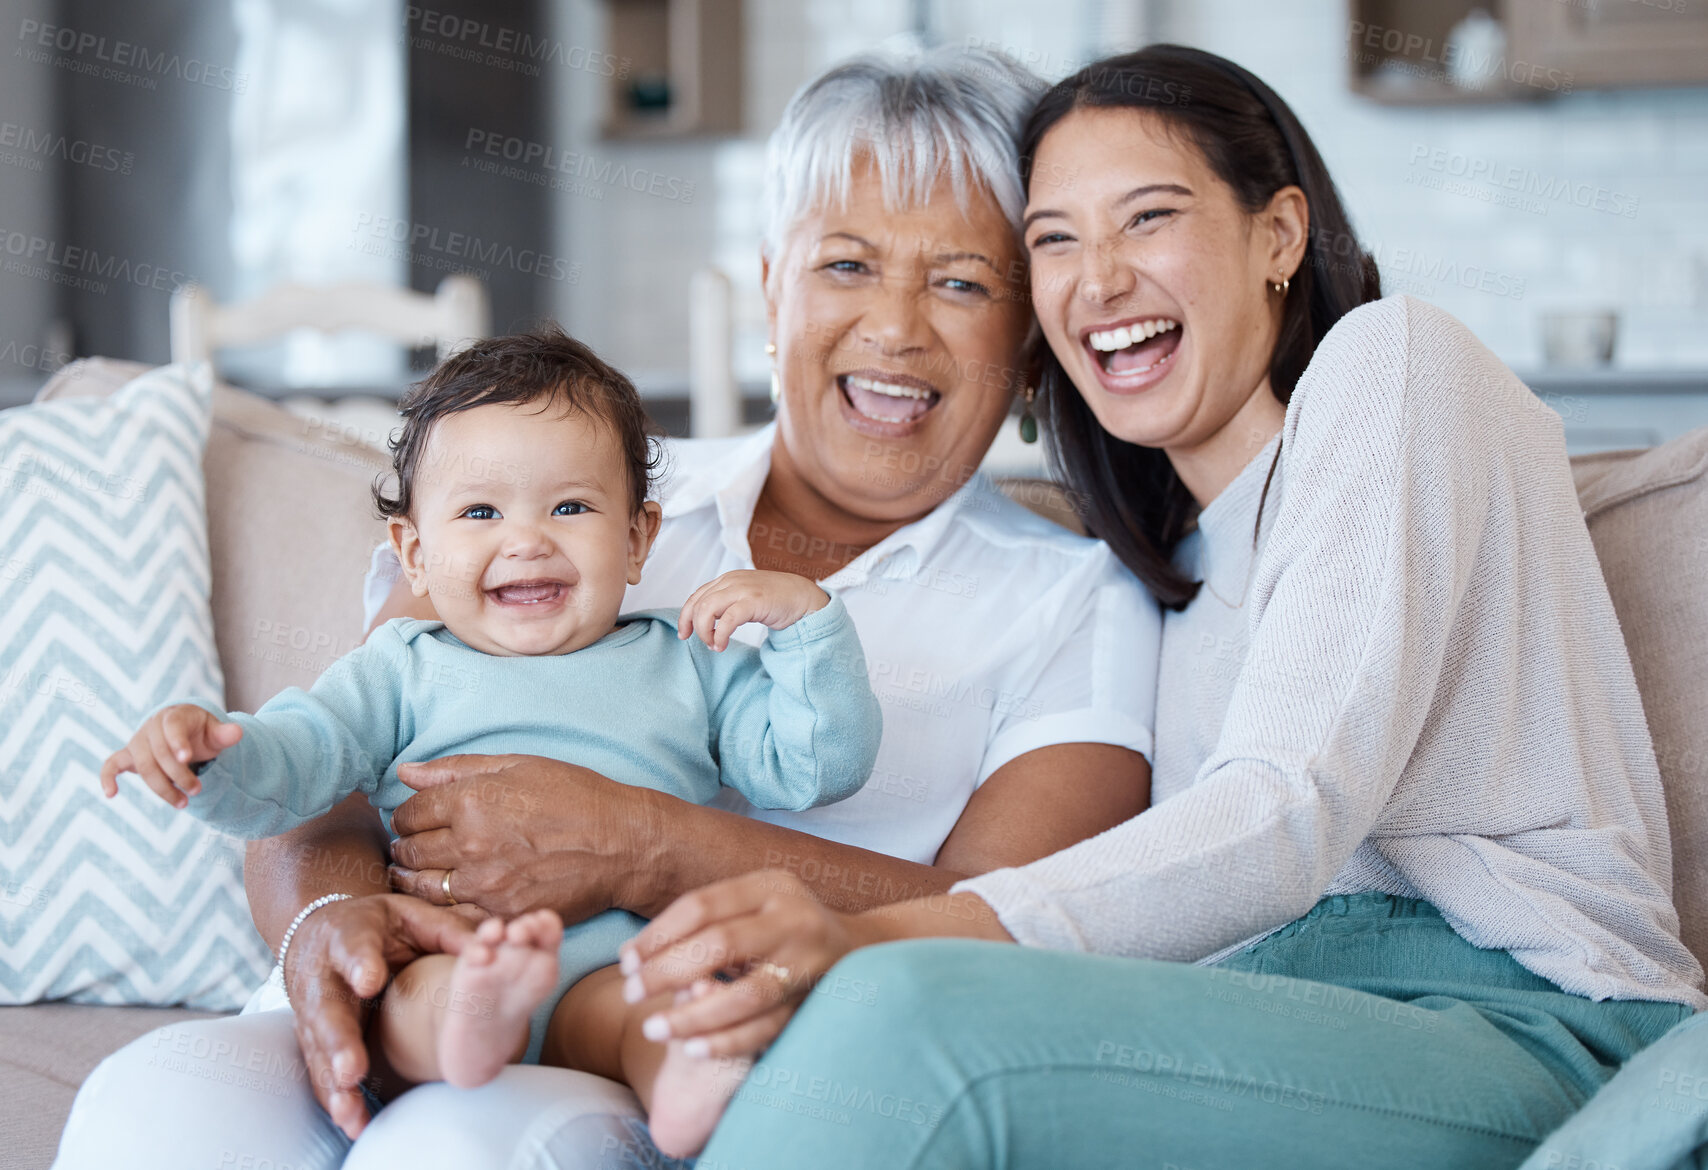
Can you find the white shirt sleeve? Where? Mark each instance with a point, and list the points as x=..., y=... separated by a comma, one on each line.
x=1093, y=678
x=1351, y=605
x=384, y=572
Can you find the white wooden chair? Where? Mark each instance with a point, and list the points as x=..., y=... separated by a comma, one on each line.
x=457, y=312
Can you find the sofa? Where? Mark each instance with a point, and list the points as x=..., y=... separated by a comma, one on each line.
x=291, y=529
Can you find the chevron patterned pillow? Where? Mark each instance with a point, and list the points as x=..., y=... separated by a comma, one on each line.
x=103, y=617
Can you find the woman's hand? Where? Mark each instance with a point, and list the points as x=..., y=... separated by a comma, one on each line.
x=763, y=930
x=340, y=958
x=521, y=833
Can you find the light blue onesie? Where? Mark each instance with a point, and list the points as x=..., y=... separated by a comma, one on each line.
x=792, y=724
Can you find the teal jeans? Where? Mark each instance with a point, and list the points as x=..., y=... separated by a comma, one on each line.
x=1366, y=1034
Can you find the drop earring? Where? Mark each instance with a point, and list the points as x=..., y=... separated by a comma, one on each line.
x=776, y=383
x=1282, y=286
x=1028, y=423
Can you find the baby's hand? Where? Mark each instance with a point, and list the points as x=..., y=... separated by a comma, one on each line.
x=163, y=749
x=779, y=600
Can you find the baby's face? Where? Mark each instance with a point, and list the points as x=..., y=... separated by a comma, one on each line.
x=520, y=530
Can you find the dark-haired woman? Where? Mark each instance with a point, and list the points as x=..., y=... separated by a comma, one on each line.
x=1404, y=895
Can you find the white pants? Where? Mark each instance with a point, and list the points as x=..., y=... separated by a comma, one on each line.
x=233, y=1094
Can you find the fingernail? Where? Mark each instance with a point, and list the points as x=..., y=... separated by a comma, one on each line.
x=343, y=1063
x=184, y=755
x=628, y=962
x=699, y=1047
x=656, y=1028
x=633, y=989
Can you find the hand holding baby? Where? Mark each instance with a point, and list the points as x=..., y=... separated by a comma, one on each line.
x=163, y=749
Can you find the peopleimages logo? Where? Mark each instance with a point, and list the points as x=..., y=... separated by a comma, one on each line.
x=1522, y=180
x=78, y=267
x=44, y=144
x=116, y=60
x=1416, y=53
x=1419, y=273
x=536, y=158
x=451, y=251
x=503, y=48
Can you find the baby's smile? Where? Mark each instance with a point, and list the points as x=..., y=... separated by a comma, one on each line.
x=533, y=593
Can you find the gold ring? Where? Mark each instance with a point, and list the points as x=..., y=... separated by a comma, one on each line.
x=778, y=972
x=445, y=885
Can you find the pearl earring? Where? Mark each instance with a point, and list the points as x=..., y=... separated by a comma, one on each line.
x=776, y=383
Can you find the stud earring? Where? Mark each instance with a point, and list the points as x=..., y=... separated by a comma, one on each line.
x=776, y=383
x=1028, y=423
x=1281, y=287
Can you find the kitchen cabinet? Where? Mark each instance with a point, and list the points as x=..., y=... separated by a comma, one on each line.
x=1431, y=52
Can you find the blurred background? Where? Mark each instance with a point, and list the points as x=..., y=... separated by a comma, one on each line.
x=1537, y=167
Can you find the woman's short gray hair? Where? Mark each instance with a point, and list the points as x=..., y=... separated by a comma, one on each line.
x=954, y=110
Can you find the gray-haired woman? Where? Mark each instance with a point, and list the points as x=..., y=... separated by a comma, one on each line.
x=1015, y=662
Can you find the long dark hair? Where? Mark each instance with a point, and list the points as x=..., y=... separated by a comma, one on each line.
x=1129, y=495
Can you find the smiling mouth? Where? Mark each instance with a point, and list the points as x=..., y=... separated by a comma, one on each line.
x=1135, y=348
x=528, y=592
x=888, y=398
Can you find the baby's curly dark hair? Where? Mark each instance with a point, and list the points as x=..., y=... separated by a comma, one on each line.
x=545, y=365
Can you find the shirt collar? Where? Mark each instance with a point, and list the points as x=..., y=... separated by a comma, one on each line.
x=732, y=484
x=904, y=551
x=1224, y=548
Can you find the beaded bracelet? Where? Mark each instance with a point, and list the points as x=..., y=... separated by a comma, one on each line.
x=290, y=932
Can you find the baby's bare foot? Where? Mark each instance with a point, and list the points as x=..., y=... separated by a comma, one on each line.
x=689, y=1098
x=503, y=974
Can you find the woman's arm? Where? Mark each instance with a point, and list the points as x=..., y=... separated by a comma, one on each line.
x=343, y=852
x=1026, y=810
x=522, y=832
x=344, y=953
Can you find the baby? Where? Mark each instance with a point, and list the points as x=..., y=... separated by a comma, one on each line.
x=521, y=511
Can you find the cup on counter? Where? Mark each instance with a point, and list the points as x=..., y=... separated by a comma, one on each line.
x=1579, y=338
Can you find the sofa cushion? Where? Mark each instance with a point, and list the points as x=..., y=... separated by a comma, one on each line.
x=46, y=1051
x=291, y=524
x=1648, y=516
x=118, y=901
